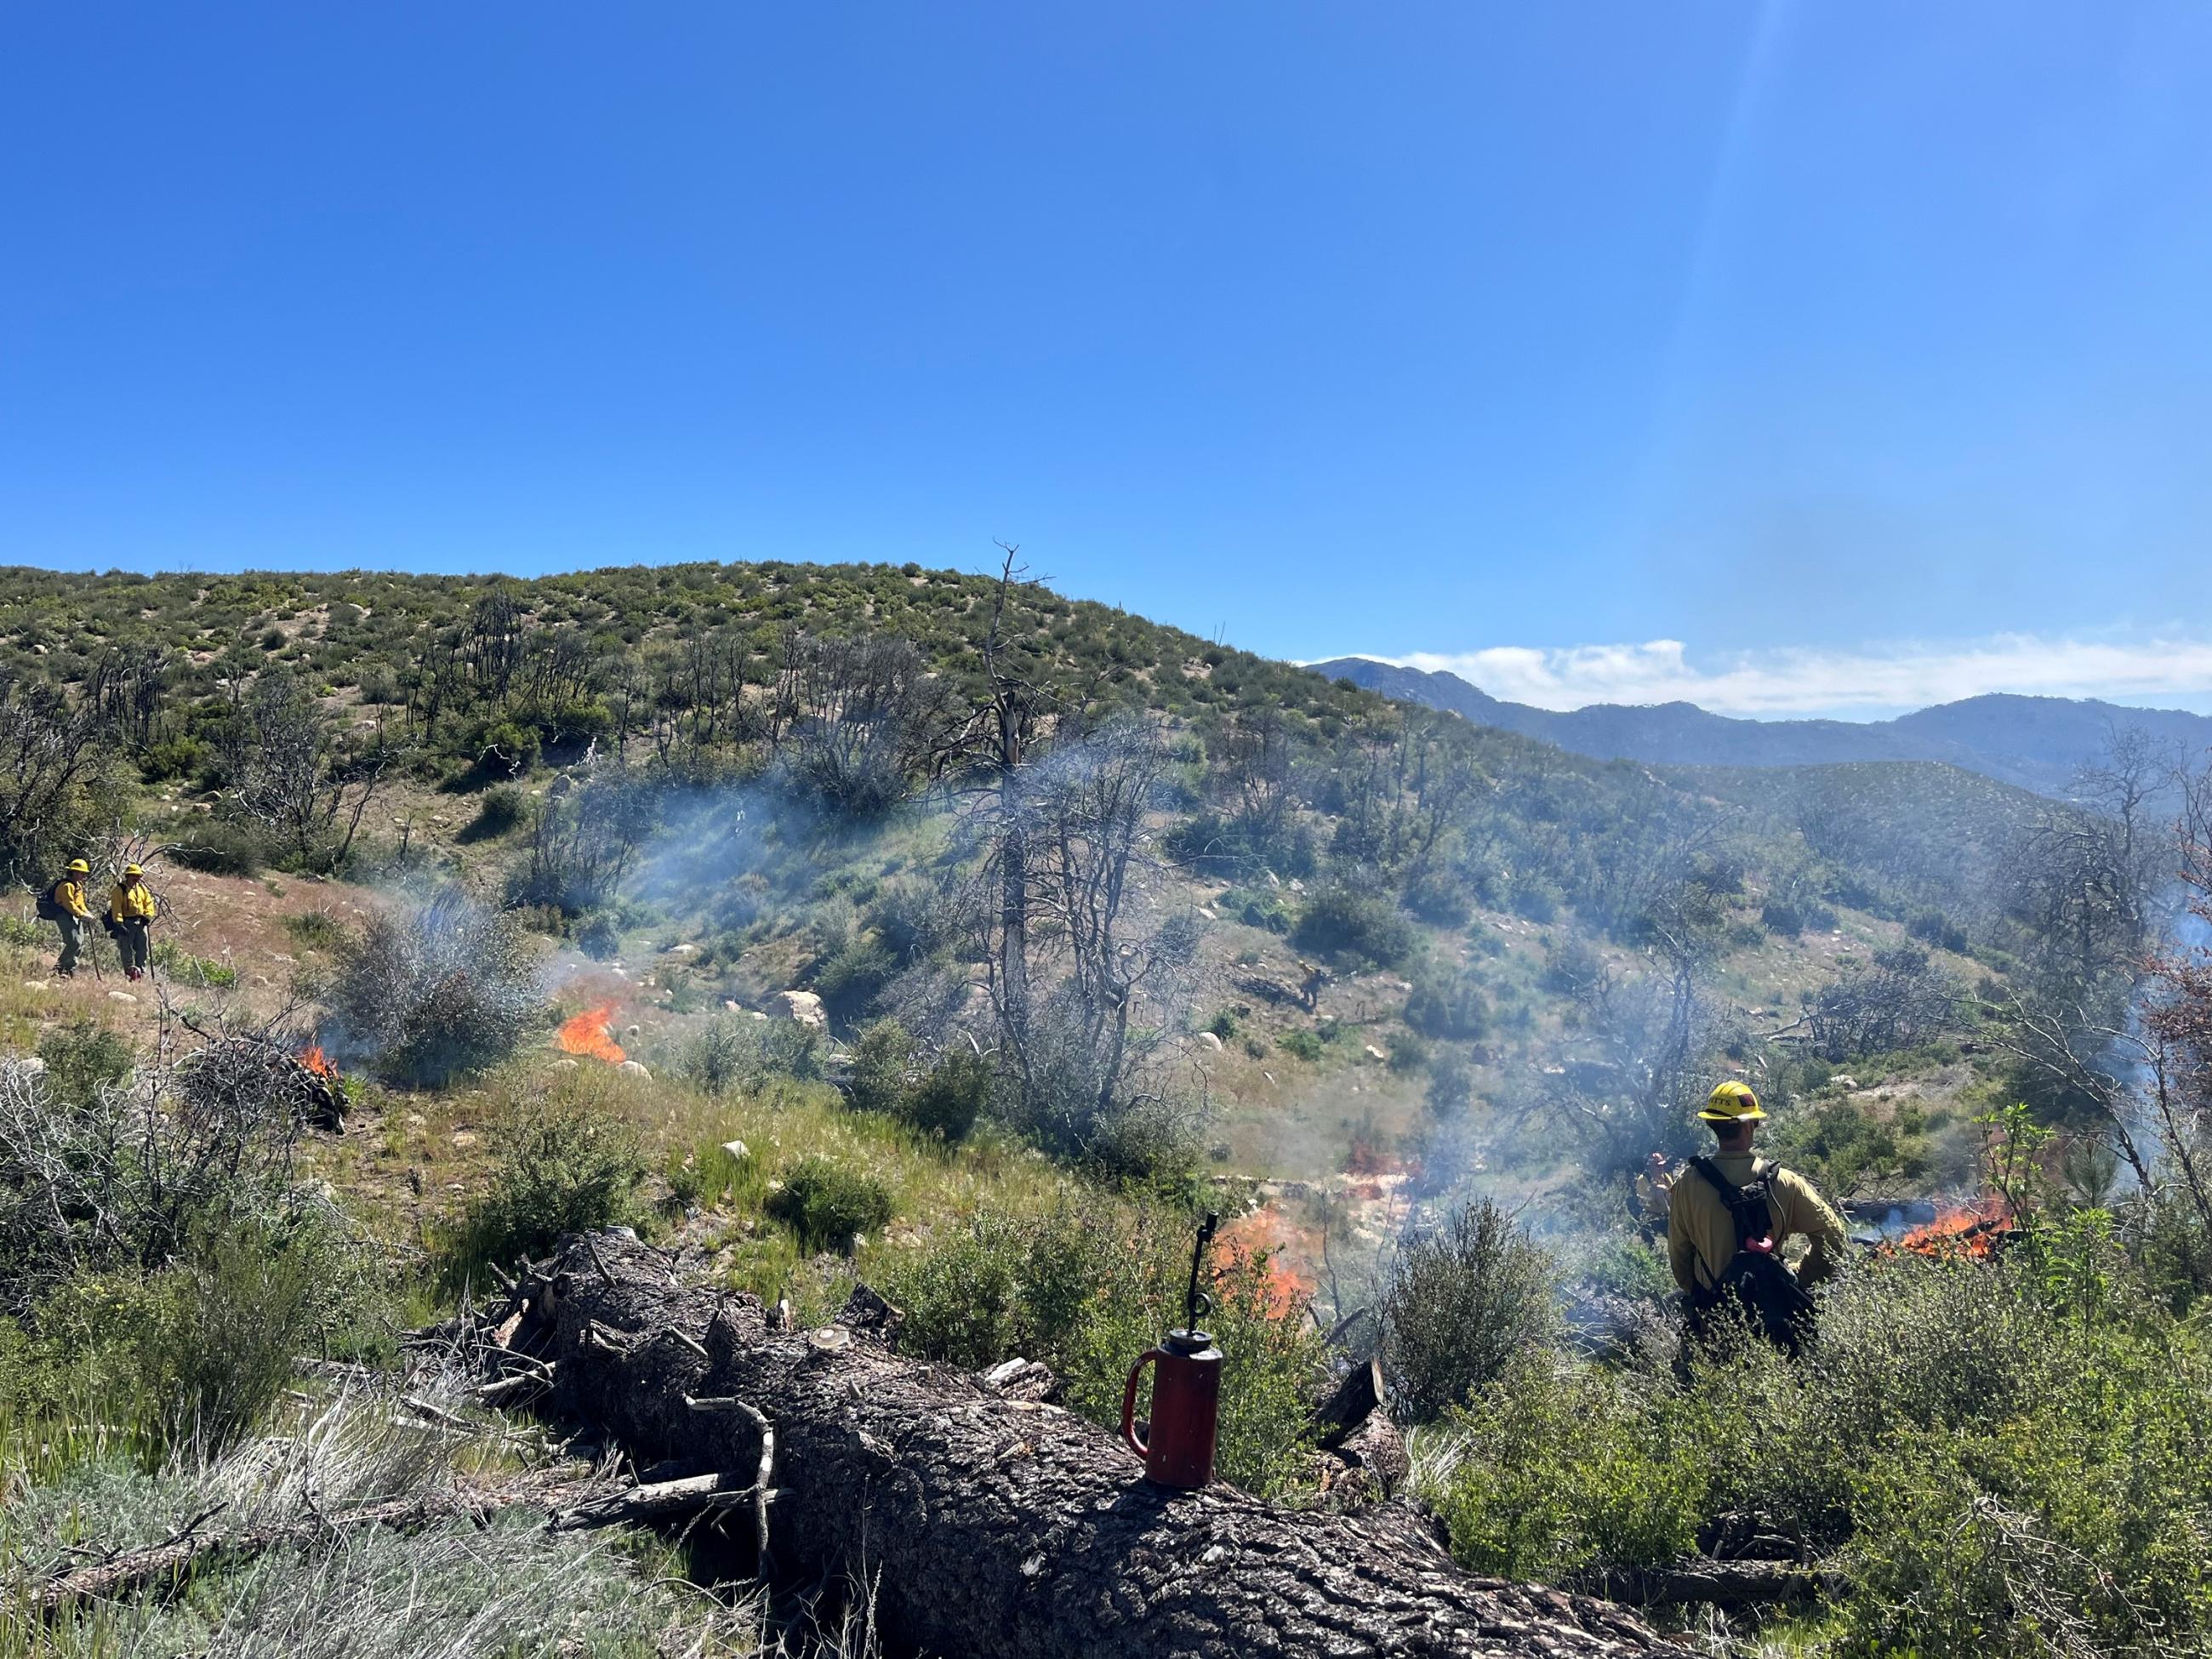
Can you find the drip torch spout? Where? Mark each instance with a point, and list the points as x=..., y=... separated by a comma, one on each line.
x=1191, y=1298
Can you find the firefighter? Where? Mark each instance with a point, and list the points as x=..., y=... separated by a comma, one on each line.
x=1654, y=1185
x=131, y=913
x=1728, y=1216
x=1312, y=977
x=63, y=905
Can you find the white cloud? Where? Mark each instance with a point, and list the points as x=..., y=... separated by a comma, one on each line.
x=1865, y=683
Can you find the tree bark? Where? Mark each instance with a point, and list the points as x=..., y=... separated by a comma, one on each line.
x=987, y=1526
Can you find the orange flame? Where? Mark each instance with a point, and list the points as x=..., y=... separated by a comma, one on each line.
x=1257, y=1243
x=587, y=1034
x=317, y=1061
x=1969, y=1229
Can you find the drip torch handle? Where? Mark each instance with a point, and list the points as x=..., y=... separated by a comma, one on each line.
x=1206, y=1231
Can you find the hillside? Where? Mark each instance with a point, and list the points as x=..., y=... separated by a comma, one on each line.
x=830, y=928
x=2038, y=744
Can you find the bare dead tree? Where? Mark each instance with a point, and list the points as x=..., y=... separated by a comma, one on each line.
x=288, y=770
x=1640, y=1046
x=1896, y=1001
x=48, y=765
x=1088, y=1006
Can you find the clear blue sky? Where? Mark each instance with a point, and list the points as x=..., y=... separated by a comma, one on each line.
x=1779, y=329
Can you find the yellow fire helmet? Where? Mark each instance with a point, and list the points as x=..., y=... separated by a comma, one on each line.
x=1732, y=1103
x=79, y=867
x=132, y=870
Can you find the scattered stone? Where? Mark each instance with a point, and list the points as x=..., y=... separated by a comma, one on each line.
x=632, y=1030
x=635, y=1068
x=802, y=1007
x=730, y=1005
x=1844, y=1081
x=684, y=950
x=35, y=985
x=415, y=1121
x=565, y=1063
x=737, y=1149
x=121, y=996
x=1374, y=1052
x=1209, y=1040
x=463, y=1138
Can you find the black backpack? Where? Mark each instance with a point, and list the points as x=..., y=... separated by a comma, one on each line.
x=1754, y=1285
x=50, y=908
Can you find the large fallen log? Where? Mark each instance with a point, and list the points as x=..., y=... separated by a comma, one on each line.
x=987, y=1526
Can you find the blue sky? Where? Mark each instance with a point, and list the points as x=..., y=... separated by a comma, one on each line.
x=1789, y=356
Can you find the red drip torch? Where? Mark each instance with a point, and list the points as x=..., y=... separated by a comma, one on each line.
x=1178, y=1443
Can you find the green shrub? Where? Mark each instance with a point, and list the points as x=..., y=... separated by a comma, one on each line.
x=883, y=1066
x=1448, y=1004
x=223, y=846
x=826, y=1203
x=950, y=1095
x=181, y=964
x=847, y=981
x=1451, y=1086
x=562, y=1169
x=1782, y=918
x=1441, y=899
x=1406, y=1052
x=1461, y=1300
x=738, y=1053
x=1261, y=907
x=1354, y=924
x=1225, y=1024
x=1557, y=1465
x=190, y=1355
x=316, y=929
x=1934, y=927
x=172, y=757
x=501, y=808
x=1534, y=899
x=83, y=1056
x=1301, y=1045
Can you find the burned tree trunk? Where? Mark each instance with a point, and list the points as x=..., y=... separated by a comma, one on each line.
x=987, y=1526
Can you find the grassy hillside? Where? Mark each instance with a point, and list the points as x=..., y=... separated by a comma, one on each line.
x=1107, y=926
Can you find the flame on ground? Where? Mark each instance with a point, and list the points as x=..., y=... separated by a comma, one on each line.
x=1970, y=1230
x=317, y=1061
x=1257, y=1243
x=587, y=1034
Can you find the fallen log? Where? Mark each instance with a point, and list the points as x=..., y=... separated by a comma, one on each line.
x=991, y=1526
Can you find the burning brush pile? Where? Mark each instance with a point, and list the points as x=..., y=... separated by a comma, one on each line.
x=1975, y=1232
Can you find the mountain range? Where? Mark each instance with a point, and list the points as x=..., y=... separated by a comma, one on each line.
x=2036, y=743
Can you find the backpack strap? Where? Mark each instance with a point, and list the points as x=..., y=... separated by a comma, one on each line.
x=1747, y=1205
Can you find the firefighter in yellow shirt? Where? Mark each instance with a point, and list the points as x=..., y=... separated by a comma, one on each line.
x=63, y=905
x=130, y=912
x=1729, y=1215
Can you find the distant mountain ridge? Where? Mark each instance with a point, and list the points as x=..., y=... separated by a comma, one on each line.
x=2036, y=743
